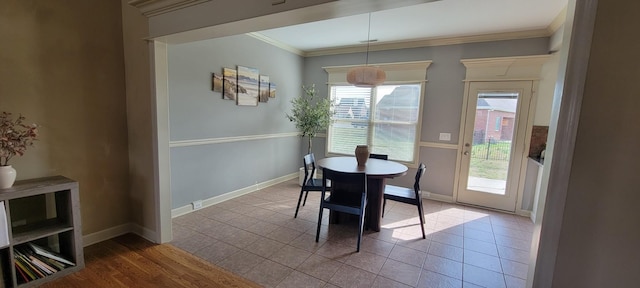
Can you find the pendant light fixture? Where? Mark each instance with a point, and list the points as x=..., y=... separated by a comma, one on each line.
x=366, y=76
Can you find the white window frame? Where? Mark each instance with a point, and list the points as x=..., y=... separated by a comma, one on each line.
x=397, y=74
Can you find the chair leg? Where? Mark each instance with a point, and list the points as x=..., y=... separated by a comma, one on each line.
x=305, y=198
x=298, y=207
x=319, y=222
x=361, y=223
x=384, y=205
x=421, y=215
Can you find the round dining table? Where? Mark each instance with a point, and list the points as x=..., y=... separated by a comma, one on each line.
x=377, y=172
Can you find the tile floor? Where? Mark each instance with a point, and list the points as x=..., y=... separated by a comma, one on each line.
x=256, y=236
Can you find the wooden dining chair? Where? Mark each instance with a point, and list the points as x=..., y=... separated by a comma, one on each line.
x=408, y=196
x=309, y=183
x=379, y=156
x=348, y=195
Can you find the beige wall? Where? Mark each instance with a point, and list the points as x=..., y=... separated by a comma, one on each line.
x=139, y=119
x=62, y=66
x=598, y=243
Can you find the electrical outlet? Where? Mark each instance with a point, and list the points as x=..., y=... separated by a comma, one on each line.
x=197, y=204
x=445, y=136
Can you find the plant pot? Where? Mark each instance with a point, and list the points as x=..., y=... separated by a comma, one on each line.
x=7, y=176
x=362, y=154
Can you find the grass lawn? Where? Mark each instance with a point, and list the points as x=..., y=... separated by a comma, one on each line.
x=491, y=169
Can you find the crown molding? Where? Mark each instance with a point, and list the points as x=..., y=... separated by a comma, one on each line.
x=558, y=21
x=504, y=68
x=156, y=7
x=276, y=43
x=431, y=42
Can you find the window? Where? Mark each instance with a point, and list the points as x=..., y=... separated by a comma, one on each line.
x=498, y=123
x=385, y=118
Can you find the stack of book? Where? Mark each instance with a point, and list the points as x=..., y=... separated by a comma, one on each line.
x=35, y=262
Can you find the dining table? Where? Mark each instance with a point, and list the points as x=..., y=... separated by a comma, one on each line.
x=377, y=171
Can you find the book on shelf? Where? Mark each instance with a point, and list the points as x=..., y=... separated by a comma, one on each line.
x=49, y=254
x=48, y=269
x=21, y=273
x=21, y=266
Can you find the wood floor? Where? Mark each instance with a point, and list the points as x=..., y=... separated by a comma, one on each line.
x=131, y=261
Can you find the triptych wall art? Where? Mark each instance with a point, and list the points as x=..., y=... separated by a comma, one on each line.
x=244, y=85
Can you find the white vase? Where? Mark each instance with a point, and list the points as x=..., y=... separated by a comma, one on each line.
x=7, y=176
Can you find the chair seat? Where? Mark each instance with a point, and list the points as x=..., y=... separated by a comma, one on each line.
x=407, y=196
x=397, y=191
x=345, y=207
x=315, y=183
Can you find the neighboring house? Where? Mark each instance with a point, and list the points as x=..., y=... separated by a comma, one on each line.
x=495, y=120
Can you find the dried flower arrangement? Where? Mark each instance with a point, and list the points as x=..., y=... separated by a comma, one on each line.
x=15, y=136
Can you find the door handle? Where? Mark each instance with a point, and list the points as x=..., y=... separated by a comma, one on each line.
x=466, y=153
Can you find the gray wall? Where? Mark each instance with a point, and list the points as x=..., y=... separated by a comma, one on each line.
x=196, y=113
x=444, y=94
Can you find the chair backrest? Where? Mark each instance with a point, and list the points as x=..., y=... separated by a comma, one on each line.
x=344, y=183
x=379, y=156
x=309, y=162
x=416, y=186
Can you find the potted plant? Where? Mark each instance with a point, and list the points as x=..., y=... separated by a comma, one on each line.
x=311, y=115
x=15, y=137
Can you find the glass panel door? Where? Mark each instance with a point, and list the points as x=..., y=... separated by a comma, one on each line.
x=494, y=131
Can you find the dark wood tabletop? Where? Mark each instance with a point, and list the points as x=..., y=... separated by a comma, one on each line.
x=373, y=168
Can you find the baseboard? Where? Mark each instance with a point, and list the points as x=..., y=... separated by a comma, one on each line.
x=144, y=232
x=106, y=234
x=186, y=209
x=437, y=197
x=524, y=213
x=116, y=231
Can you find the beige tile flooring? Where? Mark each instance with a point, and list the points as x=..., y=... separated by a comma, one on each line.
x=256, y=236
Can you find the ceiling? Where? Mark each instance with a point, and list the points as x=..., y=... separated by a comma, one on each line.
x=439, y=20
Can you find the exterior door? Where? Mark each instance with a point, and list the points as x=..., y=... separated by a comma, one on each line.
x=493, y=143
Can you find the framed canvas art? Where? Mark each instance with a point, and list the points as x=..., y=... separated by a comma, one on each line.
x=216, y=82
x=272, y=90
x=229, y=83
x=264, y=88
x=247, y=91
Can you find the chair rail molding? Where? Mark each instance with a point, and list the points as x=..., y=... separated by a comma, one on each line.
x=156, y=7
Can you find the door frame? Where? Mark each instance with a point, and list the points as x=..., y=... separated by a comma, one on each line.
x=502, y=69
x=522, y=139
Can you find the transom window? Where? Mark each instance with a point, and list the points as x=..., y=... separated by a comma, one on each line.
x=385, y=118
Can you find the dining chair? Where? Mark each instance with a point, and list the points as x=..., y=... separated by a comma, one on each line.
x=309, y=183
x=408, y=196
x=379, y=156
x=348, y=195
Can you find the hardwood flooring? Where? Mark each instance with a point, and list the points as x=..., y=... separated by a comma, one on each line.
x=131, y=261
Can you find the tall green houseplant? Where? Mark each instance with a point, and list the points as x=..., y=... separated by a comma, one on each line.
x=311, y=114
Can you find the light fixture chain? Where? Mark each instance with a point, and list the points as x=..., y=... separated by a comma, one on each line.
x=368, y=41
